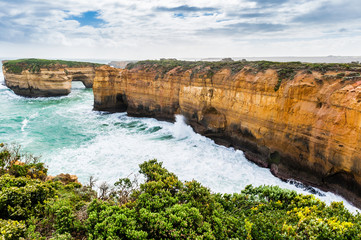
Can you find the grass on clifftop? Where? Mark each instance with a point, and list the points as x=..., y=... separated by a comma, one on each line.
x=33, y=65
x=162, y=207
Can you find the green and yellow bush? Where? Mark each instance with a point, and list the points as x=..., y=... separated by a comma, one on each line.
x=163, y=207
x=18, y=164
x=166, y=208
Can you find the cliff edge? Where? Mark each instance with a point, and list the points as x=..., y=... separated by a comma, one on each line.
x=300, y=120
x=46, y=78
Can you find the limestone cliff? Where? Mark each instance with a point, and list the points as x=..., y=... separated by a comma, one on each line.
x=120, y=64
x=46, y=78
x=304, y=122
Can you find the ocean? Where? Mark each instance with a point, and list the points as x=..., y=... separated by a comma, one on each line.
x=72, y=138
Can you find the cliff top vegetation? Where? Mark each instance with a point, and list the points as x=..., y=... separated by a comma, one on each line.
x=162, y=207
x=34, y=65
x=235, y=66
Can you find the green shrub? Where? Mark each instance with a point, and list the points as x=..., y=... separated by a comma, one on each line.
x=284, y=73
x=163, y=207
x=12, y=229
x=21, y=198
x=64, y=236
x=18, y=164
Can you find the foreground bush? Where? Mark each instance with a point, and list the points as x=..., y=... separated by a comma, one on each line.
x=18, y=164
x=32, y=208
x=163, y=207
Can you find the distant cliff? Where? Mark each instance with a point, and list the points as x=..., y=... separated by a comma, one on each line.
x=120, y=64
x=45, y=78
x=301, y=120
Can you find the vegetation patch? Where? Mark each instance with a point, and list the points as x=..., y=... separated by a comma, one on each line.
x=284, y=73
x=162, y=207
x=34, y=65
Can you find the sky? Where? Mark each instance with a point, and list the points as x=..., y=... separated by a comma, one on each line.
x=151, y=29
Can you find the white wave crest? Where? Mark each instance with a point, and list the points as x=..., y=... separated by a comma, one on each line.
x=181, y=130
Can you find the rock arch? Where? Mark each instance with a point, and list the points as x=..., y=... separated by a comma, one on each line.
x=84, y=78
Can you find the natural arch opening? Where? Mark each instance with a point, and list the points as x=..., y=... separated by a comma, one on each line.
x=77, y=85
x=86, y=80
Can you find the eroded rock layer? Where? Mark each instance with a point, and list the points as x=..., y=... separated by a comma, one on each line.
x=305, y=127
x=47, y=82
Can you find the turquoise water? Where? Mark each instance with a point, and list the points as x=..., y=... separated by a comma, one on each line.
x=72, y=138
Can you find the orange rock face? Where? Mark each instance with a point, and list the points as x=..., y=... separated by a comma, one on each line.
x=308, y=129
x=46, y=83
x=63, y=178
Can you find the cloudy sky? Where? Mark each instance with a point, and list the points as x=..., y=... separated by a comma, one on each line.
x=149, y=29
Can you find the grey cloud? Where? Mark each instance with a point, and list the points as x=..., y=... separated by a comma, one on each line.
x=257, y=27
x=251, y=15
x=13, y=31
x=14, y=34
x=185, y=8
x=332, y=13
x=270, y=2
x=244, y=29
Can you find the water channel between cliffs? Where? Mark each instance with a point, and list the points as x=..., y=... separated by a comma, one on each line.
x=72, y=138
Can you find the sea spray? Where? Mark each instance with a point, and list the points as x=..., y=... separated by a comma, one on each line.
x=180, y=129
x=25, y=123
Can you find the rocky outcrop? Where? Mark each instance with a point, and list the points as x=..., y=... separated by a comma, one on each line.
x=47, y=81
x=306, y=126
x=63, y=178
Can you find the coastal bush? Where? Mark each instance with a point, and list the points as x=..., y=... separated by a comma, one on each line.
x=21, y=197
x=18, y=164
x=46, y=208
x=12, y=229
x=164, y=207
x=32, y=208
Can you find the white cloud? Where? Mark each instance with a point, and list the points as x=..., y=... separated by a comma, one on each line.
x=178, y=28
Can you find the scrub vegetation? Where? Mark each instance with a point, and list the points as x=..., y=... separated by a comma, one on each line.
x=34, y=65
x=161, y=207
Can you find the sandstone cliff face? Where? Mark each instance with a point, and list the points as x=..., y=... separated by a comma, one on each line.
x=309, y=129
x=48, y=82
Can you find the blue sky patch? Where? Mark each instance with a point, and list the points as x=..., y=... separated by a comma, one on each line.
x=90, y=18
x=179, y=15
